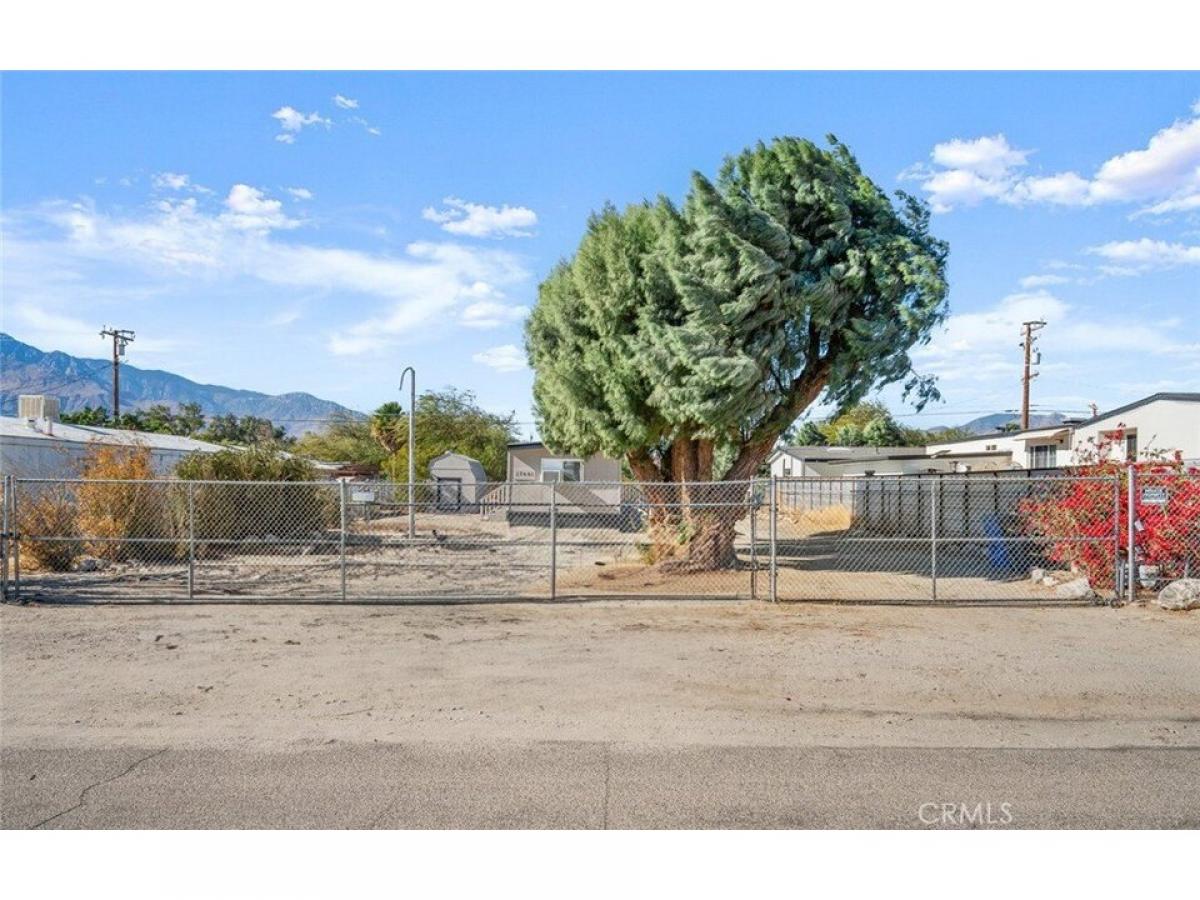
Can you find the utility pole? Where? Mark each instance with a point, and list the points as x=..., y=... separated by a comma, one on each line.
x=412, y=448
x=1028, y=331
x=120, y=337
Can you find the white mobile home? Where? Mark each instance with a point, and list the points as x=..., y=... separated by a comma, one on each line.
x=1033, y=448
x=1159, y=423
x=43, y=447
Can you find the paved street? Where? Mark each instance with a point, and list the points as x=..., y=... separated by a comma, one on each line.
x=592, y=715
x=595, y=785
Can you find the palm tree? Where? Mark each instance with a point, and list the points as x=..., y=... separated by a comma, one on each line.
x=388, y=426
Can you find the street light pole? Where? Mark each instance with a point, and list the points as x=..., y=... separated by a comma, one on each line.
x=412, y=447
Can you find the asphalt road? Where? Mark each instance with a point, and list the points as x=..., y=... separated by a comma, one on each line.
x=580, y=784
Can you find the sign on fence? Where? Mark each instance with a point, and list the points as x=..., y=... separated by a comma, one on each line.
x=1154, y=496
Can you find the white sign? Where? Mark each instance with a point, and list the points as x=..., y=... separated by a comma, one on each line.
x=1154, y=496
x=362, y=496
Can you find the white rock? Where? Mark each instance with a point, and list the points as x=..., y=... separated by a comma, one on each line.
x=1037, y=574
x=1076, y=589
x=1048, y=581
x=1181, y=594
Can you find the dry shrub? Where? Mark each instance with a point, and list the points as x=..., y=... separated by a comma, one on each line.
x=815, y=521
x=48, y=510
x=122, y=505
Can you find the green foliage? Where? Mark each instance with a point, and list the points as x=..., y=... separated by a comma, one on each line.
x=883, y=432
x=97, y=416
x=447, y=421
x=848, y=435
x=809, y=434
x=243, y=430
x=681, y=336
x=342, y=440
x=248, y=464
x=231, y=512
x=186, y=420
x=870, y=424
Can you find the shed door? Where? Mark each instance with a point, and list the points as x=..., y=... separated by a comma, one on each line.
x=449, y=493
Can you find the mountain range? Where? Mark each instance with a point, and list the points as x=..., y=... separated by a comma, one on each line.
x=992, y=423
x=79, y=382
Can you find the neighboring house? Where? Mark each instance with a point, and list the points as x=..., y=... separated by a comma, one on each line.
x=1161, y=422
x=813, y=460
x=913, y=461
x=586, y=490
x=37, y=445
x=533, y=462
x=1033, y=448
x=460, y=482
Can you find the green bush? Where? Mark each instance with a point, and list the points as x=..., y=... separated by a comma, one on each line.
x=265, y=494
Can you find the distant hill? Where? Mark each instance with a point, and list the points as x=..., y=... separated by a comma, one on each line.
x=994, y=422
x=78, y=382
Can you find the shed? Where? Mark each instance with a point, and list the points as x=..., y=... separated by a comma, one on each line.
x=459, y=482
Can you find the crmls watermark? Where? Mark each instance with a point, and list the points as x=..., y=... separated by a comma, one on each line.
x=960, y=815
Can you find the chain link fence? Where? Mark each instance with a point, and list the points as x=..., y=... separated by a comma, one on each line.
x=883, y=538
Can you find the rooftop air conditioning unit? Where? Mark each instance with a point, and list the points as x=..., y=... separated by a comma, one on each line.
x=37, y=406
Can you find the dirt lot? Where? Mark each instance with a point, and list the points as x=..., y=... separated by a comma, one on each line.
x=647, y=672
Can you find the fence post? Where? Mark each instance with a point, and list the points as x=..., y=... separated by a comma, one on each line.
x=1117, y=585
x=4, y=538
x=753, y=540
x=191, y=581
x=553, y=543
x=1131, y=567
x=933, y=536
x=773, y=527
x=15, y=519
x=342, y=533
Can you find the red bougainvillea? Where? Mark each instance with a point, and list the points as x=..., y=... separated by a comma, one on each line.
x=1090, y=514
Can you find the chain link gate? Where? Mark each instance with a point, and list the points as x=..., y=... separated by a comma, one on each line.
x=954, y=538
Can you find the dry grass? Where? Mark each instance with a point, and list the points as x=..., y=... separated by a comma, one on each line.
x=50, y=512
x=817, y=521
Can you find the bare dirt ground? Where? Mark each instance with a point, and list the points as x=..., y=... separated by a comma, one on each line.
x=646, y=672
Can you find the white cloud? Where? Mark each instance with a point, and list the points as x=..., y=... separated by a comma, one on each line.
x=1183, y=203
x=977, y=353
x=1145, y=253
x=251, y=210
x=367, y=126
x=1165, y=172
x=171, y=181
x=505, y=358
x=1036, y=281
x=300, y=193
x=177, y=182
x=285, y=317
x=345, y=102
x=292, y=121
x=489, y=314
x=426, y=288
x=990, y=157
x=476, y=220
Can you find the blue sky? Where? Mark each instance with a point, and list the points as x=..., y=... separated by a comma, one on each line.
x=320, y=231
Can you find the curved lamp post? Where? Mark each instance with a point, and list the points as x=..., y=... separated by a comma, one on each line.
x=412, y=448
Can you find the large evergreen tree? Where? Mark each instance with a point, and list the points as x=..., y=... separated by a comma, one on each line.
x=688, y=339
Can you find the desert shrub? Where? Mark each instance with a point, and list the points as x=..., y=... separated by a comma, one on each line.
x=263, y=494
x=119, y=505
x=48, y=510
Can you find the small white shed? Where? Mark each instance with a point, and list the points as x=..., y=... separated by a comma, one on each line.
x=459, y=482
